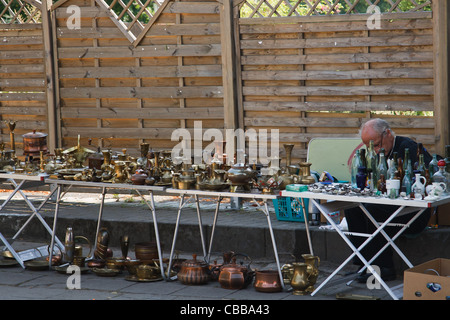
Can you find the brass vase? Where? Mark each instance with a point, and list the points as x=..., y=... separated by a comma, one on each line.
x=307, y=178
x=313, y=263
x=300, y=278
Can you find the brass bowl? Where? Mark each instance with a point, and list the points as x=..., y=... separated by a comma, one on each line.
x=115, y=264
x=132, y=266
x=145, y=272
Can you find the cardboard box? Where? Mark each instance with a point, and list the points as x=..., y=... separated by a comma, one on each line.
x=428, y=281
x=443, y=215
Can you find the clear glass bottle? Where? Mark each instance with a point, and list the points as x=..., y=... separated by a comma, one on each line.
x=371, y=159
x=433, y=165
x=442, y=175
x=405, y=160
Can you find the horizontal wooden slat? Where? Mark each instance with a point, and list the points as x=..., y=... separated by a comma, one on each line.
x=142, y=72
x=22, y=96
x=142, y=92
x=156, y=30
x=22, y=83
x=335, y=122
x=144, y=113
x=22, y=54
x=140, y=52
x=339, y=106
x=338, y=42
x=416, y=73
x=338, y=58
x=340, y=90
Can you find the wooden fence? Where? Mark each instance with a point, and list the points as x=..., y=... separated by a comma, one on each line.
x=120, y=82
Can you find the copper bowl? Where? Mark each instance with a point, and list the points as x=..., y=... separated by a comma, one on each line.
x=267, y=281
x=146, y=251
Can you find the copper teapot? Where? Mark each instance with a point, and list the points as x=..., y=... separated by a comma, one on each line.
x=193, y=272
x=236, y=276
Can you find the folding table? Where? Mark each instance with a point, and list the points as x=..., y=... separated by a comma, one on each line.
x=21, y=182
x=337, y=202
x=220, y=195
x=105, y=186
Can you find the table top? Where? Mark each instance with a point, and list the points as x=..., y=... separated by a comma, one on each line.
x=222, y=193
x=368, y=199
x=21, y=176
x=105, y=185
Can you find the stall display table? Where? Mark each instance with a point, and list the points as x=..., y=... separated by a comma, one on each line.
x=21, y=182
x=337, y=202
x=104, y=186
x=187, y=195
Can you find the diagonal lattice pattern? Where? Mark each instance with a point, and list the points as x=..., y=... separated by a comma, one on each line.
x=132, y=15
x=19, y=12
x=287, y=8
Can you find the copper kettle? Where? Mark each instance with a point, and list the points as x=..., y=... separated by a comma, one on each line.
x=193, y=272
x=236, y=276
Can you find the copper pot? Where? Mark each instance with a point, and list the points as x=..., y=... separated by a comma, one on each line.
x=193, y=272
x=267, y=281
x=34, y=142
x=235, y=276
x=146, y=251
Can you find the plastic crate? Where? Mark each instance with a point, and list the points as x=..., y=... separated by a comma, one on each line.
x=290, y=209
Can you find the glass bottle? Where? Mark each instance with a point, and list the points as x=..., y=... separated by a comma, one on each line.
x=419, y=152
x=382, y=168
x=421, y=165
x=406, y=182
x=361, y=178
x=371, y=160
x=442, y=175
x=433, y=165
x=356, y=163
x=447, y=158
x=405, y=160
x=382, y=184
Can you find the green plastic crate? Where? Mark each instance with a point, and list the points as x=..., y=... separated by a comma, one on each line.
x=290, y=209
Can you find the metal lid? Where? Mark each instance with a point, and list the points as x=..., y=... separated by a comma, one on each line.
x=34, y=134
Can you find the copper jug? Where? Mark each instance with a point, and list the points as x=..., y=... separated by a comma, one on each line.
x=300, y=278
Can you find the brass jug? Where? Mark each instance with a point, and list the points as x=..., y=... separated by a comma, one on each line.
x=313, y=263
x=300, y=278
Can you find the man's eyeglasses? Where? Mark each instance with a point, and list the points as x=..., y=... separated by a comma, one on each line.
x=378, y=145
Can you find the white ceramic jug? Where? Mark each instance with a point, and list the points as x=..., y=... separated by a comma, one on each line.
x=419, y=186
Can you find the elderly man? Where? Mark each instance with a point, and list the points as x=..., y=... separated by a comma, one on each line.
x=382, y=135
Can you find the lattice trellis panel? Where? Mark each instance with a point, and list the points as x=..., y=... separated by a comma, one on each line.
x=20, y=11
x=133, y=17
x=287, y=8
